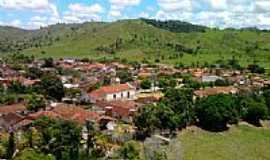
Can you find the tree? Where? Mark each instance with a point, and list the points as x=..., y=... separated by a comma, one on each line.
x=52, y=87
x=215, y=112
x=35, y=102
x=254, y=68
x=34, y=73
x=145, y=120
x=59, y=137
x=11, y=146
x=167, y=82
x=48, y=63
x=124, y=75
x=254, y=110
x=266, y=95
x=146, y=84
x=181, y=102
x=221, y=82
x=16, y=87
x=130, y=151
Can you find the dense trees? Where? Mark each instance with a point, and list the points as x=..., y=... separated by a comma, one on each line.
x=177, y=110
x=215, y=112
x=174, y=111
x=175, y=26
x=52, y=87
x=60, y=138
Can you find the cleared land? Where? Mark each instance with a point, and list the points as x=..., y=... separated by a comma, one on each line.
x=241, y=142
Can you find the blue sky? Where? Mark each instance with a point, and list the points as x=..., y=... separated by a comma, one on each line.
x=215, y=13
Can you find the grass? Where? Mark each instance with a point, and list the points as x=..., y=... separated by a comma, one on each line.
x=141, y=41
x=240, y=142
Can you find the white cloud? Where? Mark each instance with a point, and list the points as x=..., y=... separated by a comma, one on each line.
x=144, y=15
x=15, y=23
x=262, y=5
x=124, y=3
x=80, y=13
x=175, y=5
x=115, y=13
x=24, y=4
x=118, y=5
x=31, y=5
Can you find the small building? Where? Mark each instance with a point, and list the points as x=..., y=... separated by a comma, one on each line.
x=212, y=78
x=214, y=91
x=113, y=93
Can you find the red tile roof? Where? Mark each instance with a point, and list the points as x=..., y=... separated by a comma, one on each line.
x=110, y=89
x=122, y=108
x=40, y=114
x=216, y=90
x=12, y=108
x=75, y=113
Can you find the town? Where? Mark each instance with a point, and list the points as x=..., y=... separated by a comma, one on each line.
x=69, y=108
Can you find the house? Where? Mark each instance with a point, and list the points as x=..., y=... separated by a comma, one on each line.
x=211, y=78
x=15, y=108
x=214, y=91
x=123, y=110
x=113, y=93
x=75, y=113
x=9, y=120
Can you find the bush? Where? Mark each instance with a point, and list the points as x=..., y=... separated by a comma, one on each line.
x=146, y=84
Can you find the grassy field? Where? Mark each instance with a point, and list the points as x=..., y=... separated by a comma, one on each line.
x=239, y=143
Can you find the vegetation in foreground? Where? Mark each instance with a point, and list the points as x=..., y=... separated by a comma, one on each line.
x=240, y=142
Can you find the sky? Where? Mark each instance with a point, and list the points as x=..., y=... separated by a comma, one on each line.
x=32, y=14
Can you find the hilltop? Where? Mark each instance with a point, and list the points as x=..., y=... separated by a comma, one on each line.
x=141, y=39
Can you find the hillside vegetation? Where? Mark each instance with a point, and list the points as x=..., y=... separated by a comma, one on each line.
x=146, y=40
x=240, y=142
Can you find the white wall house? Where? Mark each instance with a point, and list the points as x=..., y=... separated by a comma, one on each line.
x=113, y=93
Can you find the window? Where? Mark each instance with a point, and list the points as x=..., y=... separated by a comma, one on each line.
x=122, y=95
x=128, y=95
x=114, y=96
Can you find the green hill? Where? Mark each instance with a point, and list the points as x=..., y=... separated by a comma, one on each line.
x=155, y=41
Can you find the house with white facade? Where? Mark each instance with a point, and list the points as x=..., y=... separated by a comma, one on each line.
x=113, y=93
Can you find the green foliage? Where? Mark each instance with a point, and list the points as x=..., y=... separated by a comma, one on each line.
x=215, y=112
x=253, y=109
x=174, y=111
x=52, y=87
x=256, y=69
x=31, y=154
x=35, y=102
x=175, y=26
x=181, y=102
x=124, y=75
x=11, y=146
x=146, y=84
x=48, y=62
x=221, y=82
x=266, y=95
x=130, y=151
x=166, y=82
x=60, y=138
x=16, y=87
x=33, y=73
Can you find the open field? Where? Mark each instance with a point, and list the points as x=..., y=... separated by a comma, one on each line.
x=241, y=142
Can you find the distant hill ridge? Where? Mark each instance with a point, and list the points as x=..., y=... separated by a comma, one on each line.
x=167, y=41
